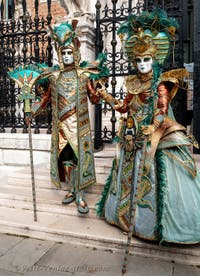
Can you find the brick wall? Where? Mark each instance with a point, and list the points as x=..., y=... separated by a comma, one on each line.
x=56, y=9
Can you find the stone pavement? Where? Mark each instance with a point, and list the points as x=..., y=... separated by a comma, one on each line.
x=29, y=256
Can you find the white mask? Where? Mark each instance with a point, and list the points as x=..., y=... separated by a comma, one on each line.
x=67, y=56
x=144, y=64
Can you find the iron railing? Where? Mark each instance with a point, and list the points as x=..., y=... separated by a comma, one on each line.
x=23, y=40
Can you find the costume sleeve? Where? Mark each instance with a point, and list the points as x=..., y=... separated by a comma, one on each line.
x=41, y=102
x=107, y=97
x=162, y=105
x=124, y=106
x=101, y=91
x=92, y=93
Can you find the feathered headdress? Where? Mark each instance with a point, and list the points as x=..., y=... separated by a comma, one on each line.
x=148, y=33
x=64, y=36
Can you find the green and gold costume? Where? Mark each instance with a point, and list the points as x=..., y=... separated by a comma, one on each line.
x=68, y=87
x=154, y=177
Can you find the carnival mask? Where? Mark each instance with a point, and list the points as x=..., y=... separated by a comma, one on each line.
x=144, y=63
x=67, y=56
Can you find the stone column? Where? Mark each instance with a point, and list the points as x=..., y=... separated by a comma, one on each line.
x=87, y=36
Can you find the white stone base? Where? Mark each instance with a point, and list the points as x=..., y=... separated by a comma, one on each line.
x=14, y=149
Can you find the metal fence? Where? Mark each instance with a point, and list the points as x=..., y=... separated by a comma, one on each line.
x=23, y=40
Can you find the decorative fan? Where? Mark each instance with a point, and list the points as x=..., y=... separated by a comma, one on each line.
x=25, y=76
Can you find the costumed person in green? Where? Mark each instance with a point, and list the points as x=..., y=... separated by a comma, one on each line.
x=68, y=87
x=153, y=177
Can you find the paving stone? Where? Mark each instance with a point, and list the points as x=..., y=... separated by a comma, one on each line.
x=141, y=266
x=183, y=270
x=66, y=256
x=7, y=242
x=8, y=273
x=80, y=260
x=24, y=255
x=106, y=263
x=45, y=271
x=86, y=261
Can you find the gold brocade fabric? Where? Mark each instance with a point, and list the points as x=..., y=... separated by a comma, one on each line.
x=178, y=77
x=137, y=85
x=71, y=124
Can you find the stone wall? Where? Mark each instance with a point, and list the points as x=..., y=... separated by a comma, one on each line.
x=14, y=148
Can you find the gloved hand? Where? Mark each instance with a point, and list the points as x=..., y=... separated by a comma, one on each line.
x=148, y=130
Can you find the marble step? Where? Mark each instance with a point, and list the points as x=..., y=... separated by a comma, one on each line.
x=89, y=231
x=44, y=182
x=42, y=172
x=42, y=176
x=47, y=200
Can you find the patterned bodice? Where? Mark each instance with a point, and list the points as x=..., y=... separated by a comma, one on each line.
x=69, y=87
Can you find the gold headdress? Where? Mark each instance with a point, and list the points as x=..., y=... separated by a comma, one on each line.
x=140, y=44
x=149, y=33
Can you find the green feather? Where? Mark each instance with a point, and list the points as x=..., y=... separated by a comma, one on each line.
x=84, y=64
x=156, y=21
x=99, y=65
x=100, y=205
x=102, y=68
x=44, y=80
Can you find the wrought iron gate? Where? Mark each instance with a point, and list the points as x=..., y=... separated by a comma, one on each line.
x=23, y=40
x=108, y=18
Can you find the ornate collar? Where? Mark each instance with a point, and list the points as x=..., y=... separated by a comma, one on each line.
x=137, y=84
x=145, y=77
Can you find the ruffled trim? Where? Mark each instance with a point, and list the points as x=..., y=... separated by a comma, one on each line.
x=100, y=205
